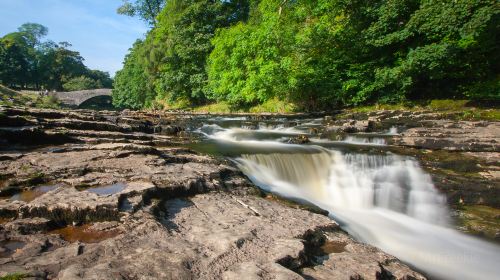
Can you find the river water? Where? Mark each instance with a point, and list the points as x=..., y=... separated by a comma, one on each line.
x=379, y=197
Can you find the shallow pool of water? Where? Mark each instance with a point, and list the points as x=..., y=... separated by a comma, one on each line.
x=9, y=247
x=108, y=189
x=84, y=233
x=31, y=194
x=332, y=247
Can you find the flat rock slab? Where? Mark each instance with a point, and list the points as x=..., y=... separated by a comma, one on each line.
x=453, y=135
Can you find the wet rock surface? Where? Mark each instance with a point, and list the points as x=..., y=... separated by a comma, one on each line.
x=127, y=203
x=343, y=257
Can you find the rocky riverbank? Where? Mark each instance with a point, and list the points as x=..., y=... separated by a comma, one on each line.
x=117, y=195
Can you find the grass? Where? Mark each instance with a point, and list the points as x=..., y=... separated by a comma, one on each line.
x=220, y=107
x=271, y=106
x=478, y=114
x=14, y=276
x=274, y=106
x=9, y=97
x=447, y=104
x=457, y=109
x=377, y=107
x=7, y=91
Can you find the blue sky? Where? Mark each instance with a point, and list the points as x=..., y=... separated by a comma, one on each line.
x=92, y=26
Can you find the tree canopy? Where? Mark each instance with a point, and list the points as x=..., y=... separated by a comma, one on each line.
x=27, y=61
x=147, y=10
x=315, y=53
x=169, y=65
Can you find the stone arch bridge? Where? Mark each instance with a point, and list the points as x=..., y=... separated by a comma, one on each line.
x=76, y=98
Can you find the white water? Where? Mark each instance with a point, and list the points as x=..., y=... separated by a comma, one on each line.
x=385, y=200
x=393, y=131
x=373, y=139
x=364, y=140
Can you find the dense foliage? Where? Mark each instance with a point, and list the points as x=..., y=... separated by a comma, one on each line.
x=27, y=62
x=132, y=85
x=169, y=65
x=315, y=53
x=81, y=83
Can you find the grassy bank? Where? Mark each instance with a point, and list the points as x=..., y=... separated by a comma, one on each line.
x=270, y=106
x=460, y=109
x=9, y=97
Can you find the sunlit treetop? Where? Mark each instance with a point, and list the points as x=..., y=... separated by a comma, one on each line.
x=147, y=10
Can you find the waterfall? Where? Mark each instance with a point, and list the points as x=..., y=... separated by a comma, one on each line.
x=385, y=200
x=291, y=175
x=382, y=199
x=351, y=181
x=361, y=181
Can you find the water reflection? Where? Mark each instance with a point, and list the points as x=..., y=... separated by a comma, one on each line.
x=31, y=194
x=84, y=233
x=108, y=189
x=9, y=247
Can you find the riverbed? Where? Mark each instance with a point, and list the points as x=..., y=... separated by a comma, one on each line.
x=221, y=195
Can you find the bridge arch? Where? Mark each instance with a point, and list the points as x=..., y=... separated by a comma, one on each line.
x=76, y=98
x=99, y=102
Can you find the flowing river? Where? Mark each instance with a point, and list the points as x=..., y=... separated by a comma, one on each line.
x=379, y=197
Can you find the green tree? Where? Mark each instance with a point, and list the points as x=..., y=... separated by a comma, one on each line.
x=282, y=51
x=326, y=53
x=102, y=78
x=451, y=48
x=246, y=64
x=27, y=61
x=185, y=30
x=14, y=61
x=81, y=83
x=61, y=64
x=318, y=54
x=169, y=65
x=147, y=10
x=132, y=85
x=33, y=33
x=24, y=49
